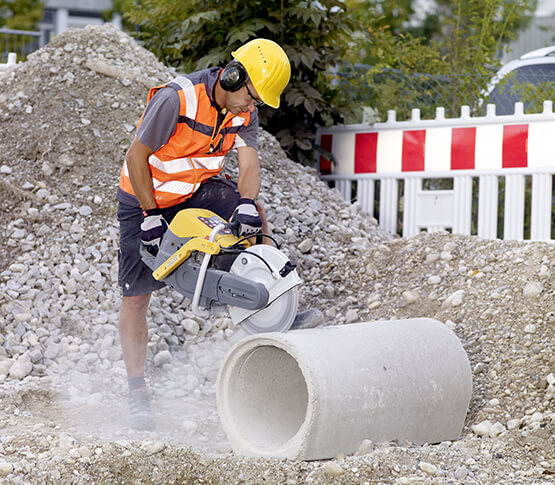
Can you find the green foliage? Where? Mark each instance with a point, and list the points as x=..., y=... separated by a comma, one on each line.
x=474, y=37
x=450, y=67
x=393, y=79
x=194, y=34
x=20, y=14
x=393, y=14
x=533, y=95
x=484, y=23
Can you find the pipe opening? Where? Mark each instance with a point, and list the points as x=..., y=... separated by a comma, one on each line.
x=268, y=397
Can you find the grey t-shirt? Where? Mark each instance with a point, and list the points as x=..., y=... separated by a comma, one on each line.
x=160, y=119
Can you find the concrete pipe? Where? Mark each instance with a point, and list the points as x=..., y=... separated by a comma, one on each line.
x=312, y=394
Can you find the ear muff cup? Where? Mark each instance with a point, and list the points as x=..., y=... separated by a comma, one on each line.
x=233, y=77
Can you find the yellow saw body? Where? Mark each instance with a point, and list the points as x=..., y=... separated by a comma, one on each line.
x=201, y=258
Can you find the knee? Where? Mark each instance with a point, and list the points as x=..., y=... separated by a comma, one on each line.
x=136, y=303
x=261, y=210
x=265, y=226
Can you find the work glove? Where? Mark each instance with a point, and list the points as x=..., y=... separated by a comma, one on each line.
x=247, y=217
x=152, y=229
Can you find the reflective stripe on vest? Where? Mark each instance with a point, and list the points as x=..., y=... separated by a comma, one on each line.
x=195, y=152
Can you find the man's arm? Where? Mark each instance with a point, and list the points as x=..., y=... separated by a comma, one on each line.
x=139, y=173
x=248, y=181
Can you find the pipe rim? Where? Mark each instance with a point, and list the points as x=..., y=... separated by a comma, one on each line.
x=289, y=448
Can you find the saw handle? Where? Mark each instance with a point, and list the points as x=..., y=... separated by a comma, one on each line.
x=147, y=257
x=233, y=226
x=203, y=268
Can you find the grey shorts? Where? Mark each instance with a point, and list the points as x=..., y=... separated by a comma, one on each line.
x=135, y=278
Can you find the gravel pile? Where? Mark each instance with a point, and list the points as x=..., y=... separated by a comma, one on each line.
x=75, y=104
x=66, y=117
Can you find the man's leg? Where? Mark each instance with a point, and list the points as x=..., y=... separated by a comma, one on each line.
x=133, y=333
x=265, y=227
x=137, y=284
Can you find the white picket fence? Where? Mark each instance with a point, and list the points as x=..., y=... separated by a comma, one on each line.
x=490, y=160
x=12, y=60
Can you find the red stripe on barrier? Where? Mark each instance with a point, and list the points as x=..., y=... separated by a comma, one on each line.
x=414, y=143
x=463, y=148
x=326, y=142
x=515, y=146
x=366, y=146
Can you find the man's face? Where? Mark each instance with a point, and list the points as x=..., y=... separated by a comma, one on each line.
x=244, y=100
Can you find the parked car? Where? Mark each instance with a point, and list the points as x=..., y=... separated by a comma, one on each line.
x=535, y=67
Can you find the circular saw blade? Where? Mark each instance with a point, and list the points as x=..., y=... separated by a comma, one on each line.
x=278, y=316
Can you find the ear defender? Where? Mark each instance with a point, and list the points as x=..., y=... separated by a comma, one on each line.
x=233, y=77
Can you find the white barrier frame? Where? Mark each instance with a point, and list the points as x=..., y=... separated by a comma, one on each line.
x=415, y=202
x=435, y=210
x=12, y=61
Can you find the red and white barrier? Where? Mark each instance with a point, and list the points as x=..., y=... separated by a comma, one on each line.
x=487, y=147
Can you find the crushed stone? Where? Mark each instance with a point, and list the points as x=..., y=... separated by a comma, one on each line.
x=67, y=116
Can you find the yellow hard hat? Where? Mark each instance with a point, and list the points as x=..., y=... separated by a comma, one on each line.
x=267, y=66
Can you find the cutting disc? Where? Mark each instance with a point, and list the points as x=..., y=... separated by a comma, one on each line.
x=280, y=313
x=278, y=316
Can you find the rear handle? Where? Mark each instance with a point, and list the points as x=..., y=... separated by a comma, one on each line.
x=148, y=258
x=203, y=268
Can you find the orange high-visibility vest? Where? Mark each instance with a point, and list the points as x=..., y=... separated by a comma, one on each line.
x=195, y=152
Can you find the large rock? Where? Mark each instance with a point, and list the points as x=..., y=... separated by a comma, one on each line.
x=21, y=368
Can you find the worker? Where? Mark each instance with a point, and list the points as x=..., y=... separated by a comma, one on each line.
x=173, y=163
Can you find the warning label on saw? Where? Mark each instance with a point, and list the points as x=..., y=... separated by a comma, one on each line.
x=214, y=221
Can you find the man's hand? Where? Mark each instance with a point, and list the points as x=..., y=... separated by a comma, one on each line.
x=246, y=214
x=152, y=229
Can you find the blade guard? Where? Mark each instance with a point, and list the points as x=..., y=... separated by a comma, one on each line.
x=253, y=267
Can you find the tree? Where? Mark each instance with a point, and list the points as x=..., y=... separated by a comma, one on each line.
x=395, y=14
x=387, y=71
x=194, y=34
x=504, y=17
x=450, y=67
x=20, y=14
x=474, y=33
x=499, y=19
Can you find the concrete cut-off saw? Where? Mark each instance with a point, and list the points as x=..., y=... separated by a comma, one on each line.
x=201, y=258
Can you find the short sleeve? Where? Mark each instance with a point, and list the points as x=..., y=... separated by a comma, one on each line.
x=248, y=135
x=160, y=119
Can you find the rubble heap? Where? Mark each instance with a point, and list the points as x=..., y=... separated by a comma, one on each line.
x=67, y=116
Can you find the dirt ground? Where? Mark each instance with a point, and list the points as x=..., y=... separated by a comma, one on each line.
x=66, y=118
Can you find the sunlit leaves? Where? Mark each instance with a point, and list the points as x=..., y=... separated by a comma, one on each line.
x=449, y=66
x=20, y=14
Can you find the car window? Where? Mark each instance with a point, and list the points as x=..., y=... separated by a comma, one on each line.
x=504, y=95
x=536, y=74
